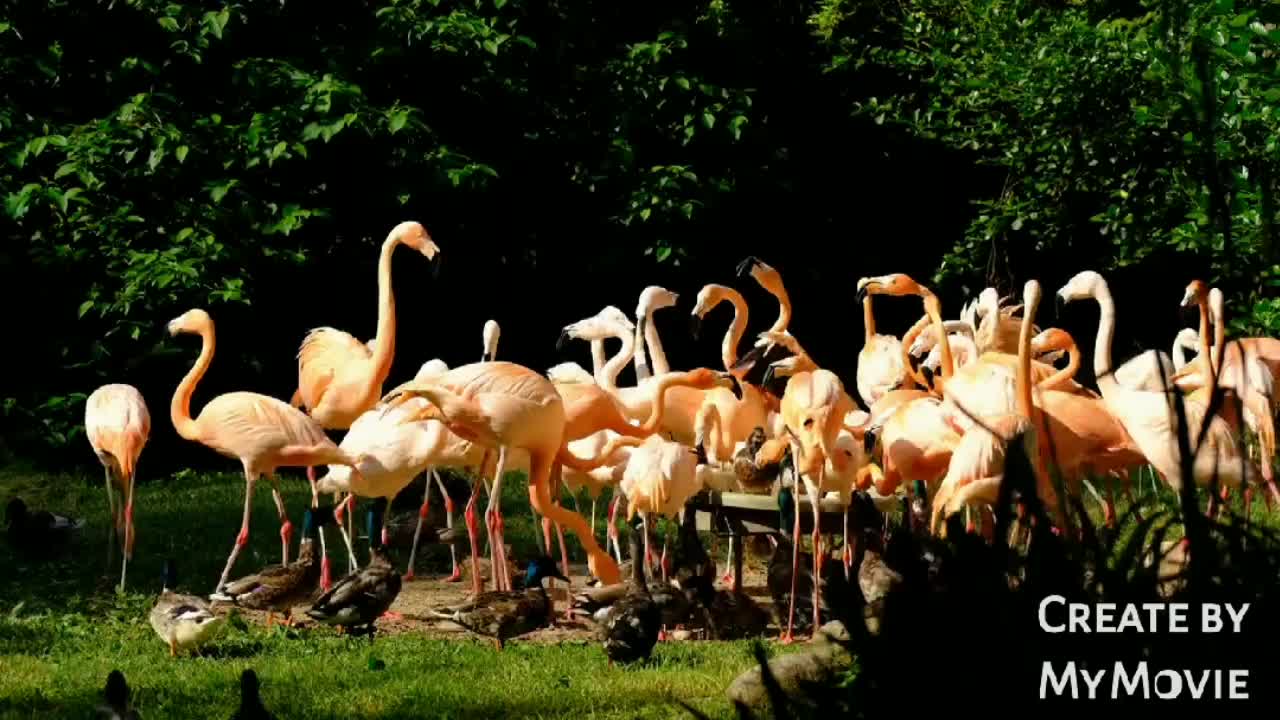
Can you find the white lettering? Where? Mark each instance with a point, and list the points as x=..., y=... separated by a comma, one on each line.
x=1140, y=678
x=1092, y=683
x=1175, y=684
x=1211, y=617
x=1237, y=619
x=1130, y=620
x=1104, y=616
x=1078, y=617
x=1044, y=622
x=1059, y=684
x=1197, y=691
x=1178, y=618
x=1239, y=679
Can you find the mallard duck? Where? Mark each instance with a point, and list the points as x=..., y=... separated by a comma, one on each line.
x=631, y=626
x=504, y=615
x=116, y=695
x=360, y=598
x=280, y=587
x=251, y=707
x=183, y=621
x=40, y=531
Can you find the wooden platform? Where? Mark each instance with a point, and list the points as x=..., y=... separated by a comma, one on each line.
x=736, y=515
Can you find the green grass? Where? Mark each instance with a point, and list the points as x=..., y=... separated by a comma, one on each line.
x=63, y=628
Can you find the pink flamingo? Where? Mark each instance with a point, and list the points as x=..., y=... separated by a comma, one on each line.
x=262, y=432
x=118, y=424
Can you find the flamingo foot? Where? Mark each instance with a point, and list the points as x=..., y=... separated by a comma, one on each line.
x=786, y=638
x=408, y=577
x=727, y=579
x=456, y=576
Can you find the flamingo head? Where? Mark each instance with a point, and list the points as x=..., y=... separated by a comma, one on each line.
x=1050, y=340
x=764, y=274
x=1084, y=285
x=706, y=378
x=412, y=234
x=892, y=284
x=191, y=321
x=708, y=297
x=1196, y=293
x=655, y=298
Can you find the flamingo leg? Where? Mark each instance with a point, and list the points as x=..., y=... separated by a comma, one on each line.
x=818, y=555
x=115, y=527
x=491, y=516
x=788, y=636
x=243, y=538
x=848, y=548
x=326, y=570
x=456, y=574
x=473, y=532
x=286, y=527
x=417, y=530
x=611, y=529
x=593, y=517
x=644, y=528
x=128, y=536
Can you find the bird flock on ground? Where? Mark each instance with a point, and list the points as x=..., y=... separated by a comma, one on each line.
x=941, y=406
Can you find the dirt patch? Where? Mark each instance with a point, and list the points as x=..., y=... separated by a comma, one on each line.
x=425, y=593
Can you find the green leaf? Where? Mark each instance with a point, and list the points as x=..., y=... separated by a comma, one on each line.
x=217, y=22
x=181, y=153
x=397, y=120
x=1272, y=95
x=168, y=23
x=219, y=191
x=663, y=254
x=37, y=145
x=153, y=160
x=491, y=46
x=183, y=234
x=708, y=120
x=499, y=4
x=85, y=307
x=683, y=82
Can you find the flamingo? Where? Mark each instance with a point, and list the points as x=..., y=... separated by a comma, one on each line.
x=880, y=367
x=652, y=298
x=1186, y=339
x=263, y=433
x=826, y=455
x=1150, y=416
x=339, y=378
x=506, y=406
x=117, y=423
x=660, y=477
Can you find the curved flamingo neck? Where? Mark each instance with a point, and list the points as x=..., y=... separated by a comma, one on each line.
x=1206, y=351
x=1024, y=402
x=913, y=378
x=1178, y=353
x=934, y=310
x=733, y=336
x=710, y=431
x=654, y=345
x=1219, y=330
x=657, y=412
x=1106, y=332
x=608, y=375
x=1066, y=374
x=598, y=358
x=384, y=343
x=784, y=308
x=868, y=320
x=180, y=406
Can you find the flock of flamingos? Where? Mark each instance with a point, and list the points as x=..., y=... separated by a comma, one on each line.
x=943, y=402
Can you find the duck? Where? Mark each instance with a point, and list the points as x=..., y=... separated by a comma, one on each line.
x=355, y=602
x=503, y=615
x=116, y=695
x=39, y=531
x=730, y=614
x=758, y=471
x=251, y=707
x=632, y=625
x=185, y=622
x=277, y=588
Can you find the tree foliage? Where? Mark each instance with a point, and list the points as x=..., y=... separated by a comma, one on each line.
x=1127, y=132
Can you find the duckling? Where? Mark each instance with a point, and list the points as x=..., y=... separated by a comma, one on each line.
x=359, y=599
x=251, y=707
x=631, y=626
x=504, y=615
x=182, y=621
x=38, y=532
x=280, y=587
x=116, y=694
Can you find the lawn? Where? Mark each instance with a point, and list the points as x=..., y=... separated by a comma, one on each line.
x=63, y=628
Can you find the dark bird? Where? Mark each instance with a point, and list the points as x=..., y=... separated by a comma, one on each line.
x=116, y=695
x=251, y=707
x=359, y=599
x=759, y=461
x=277, y=588
x=40, y=531
x=632, y=624
x=503, y=615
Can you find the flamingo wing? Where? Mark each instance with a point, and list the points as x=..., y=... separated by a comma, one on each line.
x=117, y=422
x=323, y=356
x=249, y=425
x=880, y=368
